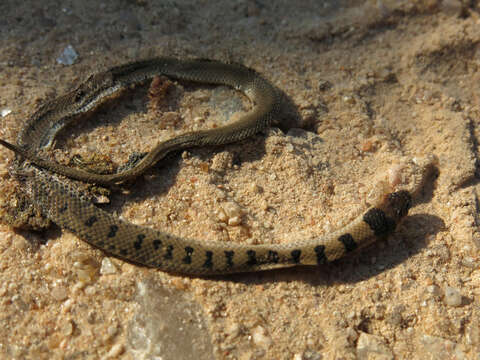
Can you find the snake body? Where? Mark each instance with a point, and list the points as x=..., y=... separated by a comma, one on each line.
x=63, y=203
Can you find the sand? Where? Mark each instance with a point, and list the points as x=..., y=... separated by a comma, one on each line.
x=367, y=85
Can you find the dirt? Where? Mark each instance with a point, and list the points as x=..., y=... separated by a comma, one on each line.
x=367, y=85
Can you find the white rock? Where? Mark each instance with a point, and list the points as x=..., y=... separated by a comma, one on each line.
x=5, y=112
x=439, y=348
x=260, y=338
x=59, y=292
x=107, y=267
x=373, y=347
x=233, y=330
x=434, y=290
x=452, y=296
x=68, y=56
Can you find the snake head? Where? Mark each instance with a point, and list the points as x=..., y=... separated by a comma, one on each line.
x=96, y=86
x=399, y=203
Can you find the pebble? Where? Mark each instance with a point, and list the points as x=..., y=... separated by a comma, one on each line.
x=234, y=221
x=440, y=348
x=85, y=267
x=255, y=188
x=433, y=290
x=5, y=112
x=85, y=274
x=67, y=328
x=68, y=56
x=67, y=306
x=108, y=267
x=395, y=175
x=90, y=290
x=230, y=213
x=352, y=335
x=233, y=330
x=259, y=337
x=222, y=216
x=112, y=330
x=349, y=99
x=452, y=296
x=395, y=317
x=372, y=347
x=101, y=199
x=469, y=262
x=59, y=292
x=79, y=286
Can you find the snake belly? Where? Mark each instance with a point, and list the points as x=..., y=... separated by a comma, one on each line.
x=63, y=203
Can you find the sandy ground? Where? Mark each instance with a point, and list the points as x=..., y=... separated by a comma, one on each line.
x=373, y=83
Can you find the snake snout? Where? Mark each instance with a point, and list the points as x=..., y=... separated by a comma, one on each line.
x=400, y=202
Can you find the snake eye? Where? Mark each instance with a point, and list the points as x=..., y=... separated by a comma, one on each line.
x=79, y=94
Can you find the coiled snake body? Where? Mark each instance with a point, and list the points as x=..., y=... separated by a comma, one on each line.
x=65, y=205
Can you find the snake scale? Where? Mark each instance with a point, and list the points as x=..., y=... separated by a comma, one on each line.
x=65, y=205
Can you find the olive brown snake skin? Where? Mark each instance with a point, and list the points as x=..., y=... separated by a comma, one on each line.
x=62, y=203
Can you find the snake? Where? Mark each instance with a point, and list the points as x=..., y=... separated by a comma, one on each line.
x=66, y=205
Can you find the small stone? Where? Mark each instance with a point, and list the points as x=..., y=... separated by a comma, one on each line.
x=171, y=118
x=469, y=262
x=352, y=335
x=452, y=296
x=179, y=283
x=234, y=221
x=108, y=267
x=90, y=290
x=68, y=56
x=67, y=306
x=395, y=317
x=233, y=330
x=59, y=292
x=5, y=112
x=222, y=161
x=85, y=267
x=439, y=348
x=368, y=146
x=101, y=199
x=259, y=337
x=67, y=328
x=433, y=290
x=395, y=175
x=232, y=214
x=255, y=188
x=112, y=330
x=222, y=216
x=79, y=285
x=372, y=347
x=349, y=99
